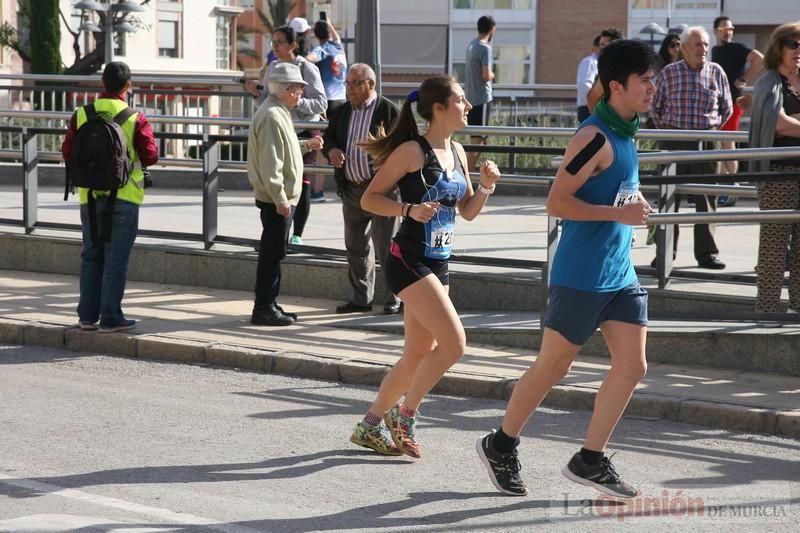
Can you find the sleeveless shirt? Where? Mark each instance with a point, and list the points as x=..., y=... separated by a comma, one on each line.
x=431, y=183
x=595, y=256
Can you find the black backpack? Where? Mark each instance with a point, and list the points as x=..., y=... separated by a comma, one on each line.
x=99, y=160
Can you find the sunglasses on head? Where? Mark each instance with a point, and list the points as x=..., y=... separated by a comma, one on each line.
x=791, y=44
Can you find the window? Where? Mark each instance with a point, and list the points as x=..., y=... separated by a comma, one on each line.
x=493, y=4
x=223, y=43
x=649, y=4
x=169, y=28
x=167, y=38
x=511, y=51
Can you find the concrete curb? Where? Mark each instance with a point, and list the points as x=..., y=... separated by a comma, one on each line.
x=299, y=364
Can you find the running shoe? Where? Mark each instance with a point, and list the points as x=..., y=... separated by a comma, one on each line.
x=601, y=477
x=402, y=430
x=375, y=438
x=503, y=468
x=85, y=325
x=296, y=240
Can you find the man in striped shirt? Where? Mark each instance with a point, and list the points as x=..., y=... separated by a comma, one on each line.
x=694, y=94
x=367, y=236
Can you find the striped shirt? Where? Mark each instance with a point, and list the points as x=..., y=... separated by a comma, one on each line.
x=356, y=161
x=691, y=99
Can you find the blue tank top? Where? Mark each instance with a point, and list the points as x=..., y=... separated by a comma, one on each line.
x=596, y=256
x=431, y=183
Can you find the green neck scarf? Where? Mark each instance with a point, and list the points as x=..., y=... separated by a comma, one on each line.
x=620, y=126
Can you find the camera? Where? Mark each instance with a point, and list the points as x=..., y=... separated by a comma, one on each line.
x=240, y=79
x=323, y=15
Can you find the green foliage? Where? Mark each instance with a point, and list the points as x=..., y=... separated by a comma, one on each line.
x=277, y=15
x=10, y=38
x=45, y=38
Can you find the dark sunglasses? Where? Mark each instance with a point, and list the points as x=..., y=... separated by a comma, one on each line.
x=676, y=44
x=791, y=44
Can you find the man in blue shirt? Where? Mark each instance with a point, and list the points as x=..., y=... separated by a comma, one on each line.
x=332, y=63
x=593, y=283
x=478, y=77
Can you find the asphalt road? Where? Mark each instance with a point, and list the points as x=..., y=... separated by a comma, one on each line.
x=94, y=443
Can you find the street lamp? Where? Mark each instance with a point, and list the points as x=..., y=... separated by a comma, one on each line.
x=109, y=28
x=653, y=29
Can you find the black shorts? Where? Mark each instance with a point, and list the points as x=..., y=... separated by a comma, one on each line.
x=479, y=114
x=403, y=270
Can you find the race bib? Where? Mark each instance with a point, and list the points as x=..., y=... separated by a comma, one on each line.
x=626, y=194
x=442, y=239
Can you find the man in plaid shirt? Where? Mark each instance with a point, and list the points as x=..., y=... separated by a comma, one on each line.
x=694, y=94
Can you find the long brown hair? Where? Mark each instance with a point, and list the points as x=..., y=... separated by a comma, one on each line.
x=773, y=54
x=434, y=90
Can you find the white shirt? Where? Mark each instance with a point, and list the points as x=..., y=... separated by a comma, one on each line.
x=587, y=72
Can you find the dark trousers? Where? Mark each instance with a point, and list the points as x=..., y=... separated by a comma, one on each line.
x=704, y=243
x=303, y=209
x=367, y=238
x=274, y=236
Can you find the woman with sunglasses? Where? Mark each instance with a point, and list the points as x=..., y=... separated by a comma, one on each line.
x=775, y=122
x=312, y=104
x=670, y=50
x=431, y=172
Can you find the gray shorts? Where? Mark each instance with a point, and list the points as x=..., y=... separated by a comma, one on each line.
x=576, y=314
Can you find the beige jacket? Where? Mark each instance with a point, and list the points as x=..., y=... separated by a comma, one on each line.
x=275, y=155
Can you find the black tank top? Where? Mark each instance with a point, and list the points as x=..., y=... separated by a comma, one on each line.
x=431, y=183
x=791, y=106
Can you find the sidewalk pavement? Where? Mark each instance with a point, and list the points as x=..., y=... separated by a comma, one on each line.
x=208, y=326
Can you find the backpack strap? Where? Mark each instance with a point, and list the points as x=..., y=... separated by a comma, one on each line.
x=122, y=117
x=91, y=112
x=108, y=217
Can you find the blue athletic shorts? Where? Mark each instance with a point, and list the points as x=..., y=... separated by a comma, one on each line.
x=577, y=314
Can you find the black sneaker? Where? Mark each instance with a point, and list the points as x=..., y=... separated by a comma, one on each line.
x=601, y=477
x=503, y=467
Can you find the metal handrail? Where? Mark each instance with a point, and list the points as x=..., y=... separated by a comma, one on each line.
x=228, y=79
x=684, y=156
x=777, y=216
x=506, y=131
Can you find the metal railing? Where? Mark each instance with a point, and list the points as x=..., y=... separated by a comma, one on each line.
x=667, y=186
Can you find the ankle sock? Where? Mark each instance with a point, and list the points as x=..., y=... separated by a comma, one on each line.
x=405, y=411
x=372, y=419
x=504, y=443
x=591, y=457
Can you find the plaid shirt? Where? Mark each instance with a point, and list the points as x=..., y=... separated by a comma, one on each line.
x=356, y=160
x=691, y=99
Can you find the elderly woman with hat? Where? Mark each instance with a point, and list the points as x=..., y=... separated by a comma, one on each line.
x=275, y=170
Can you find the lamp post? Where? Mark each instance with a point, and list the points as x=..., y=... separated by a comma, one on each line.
x=109, y=27
x=653, y=29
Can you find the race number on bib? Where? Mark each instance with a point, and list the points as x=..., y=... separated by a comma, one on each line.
x=441, y=239
x=626, y=195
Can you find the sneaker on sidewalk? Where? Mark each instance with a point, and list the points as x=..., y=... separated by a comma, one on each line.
x=375, y=438
x=402, y=430
x=87, y=326
x=318, y=197
x=601, y=477
x=296, y=240
x=125, y=325
x=503, y=468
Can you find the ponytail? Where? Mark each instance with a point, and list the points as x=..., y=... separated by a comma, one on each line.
x=404, y=129
x=435, y=90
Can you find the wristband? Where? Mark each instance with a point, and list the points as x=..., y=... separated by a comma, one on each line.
x=408, y=210
x=486, y=190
